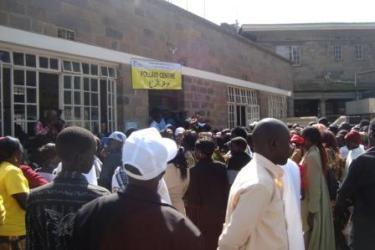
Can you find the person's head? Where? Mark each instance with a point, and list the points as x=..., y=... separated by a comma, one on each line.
x=371, y=133
x=239, y=132
x=333, y=128
x=179, y=135
x=340, y=138
x=297, y=141
x=51, y=115
x=329, y=140
x=271, y=139
x=324, y=121
x=352, y=139
x=49, y=155
x=168, y=133
x=116, y=141
x=189, y=140
x=238, y=145
x=345, y=126
x=312, y=137
x=11, y=150
x=76, y=148
x=364, y=123
x=145, y=156
x=204, y=148
x=129, y=132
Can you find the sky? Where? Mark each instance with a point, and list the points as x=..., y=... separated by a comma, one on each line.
x=281, y=11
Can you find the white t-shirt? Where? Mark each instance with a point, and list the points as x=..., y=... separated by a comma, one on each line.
x=352, y=155
x=292, y=205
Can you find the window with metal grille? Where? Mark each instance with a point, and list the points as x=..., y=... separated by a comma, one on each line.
x=243, y=107
x=66, y=34
x=337, y=53
x=358, y=52
x=277, y=106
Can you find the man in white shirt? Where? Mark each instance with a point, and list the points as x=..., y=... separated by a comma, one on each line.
x=353, y=142
x=255, y=216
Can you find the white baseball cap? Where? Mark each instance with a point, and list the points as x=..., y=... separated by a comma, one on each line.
x=148, y=152
x=179, y=130
x=118, y=136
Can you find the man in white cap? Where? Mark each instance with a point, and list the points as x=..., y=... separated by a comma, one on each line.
x=113, y=159
x=136, y=218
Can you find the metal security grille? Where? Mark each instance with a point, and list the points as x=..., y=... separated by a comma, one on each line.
x=277, y=106
x=243, y=107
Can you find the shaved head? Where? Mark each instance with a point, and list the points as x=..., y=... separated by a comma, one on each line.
x=271, y=139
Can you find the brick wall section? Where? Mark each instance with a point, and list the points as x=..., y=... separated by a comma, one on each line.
x=207, y=97
x=132, y=105
x=154, y=28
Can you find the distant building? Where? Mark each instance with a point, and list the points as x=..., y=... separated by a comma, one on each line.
x=75, y=56
x=332, y=62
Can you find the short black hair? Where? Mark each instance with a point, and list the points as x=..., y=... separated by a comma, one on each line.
x=240, y=142
x=206, y=146
x=239, y=132
x=72, y=141
x=8, y=146
x=47, y=151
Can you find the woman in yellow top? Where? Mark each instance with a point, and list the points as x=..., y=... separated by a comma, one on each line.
x=14, y=190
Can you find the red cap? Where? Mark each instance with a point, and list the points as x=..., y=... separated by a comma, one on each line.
x=297, y=139
x=354, y=137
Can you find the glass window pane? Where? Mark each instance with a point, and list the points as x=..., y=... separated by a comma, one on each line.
x=31, y=113
x=67, y=82
x=94, y=99
x=104, y=71
x=67, y=66
x=87, y=114
x=94, y=114
x=68, y=113
x=94, y=85
x=86, y=84
x=19, y=112
x=94, y=69
x=77, y=82
x=87, y=125
x=67, y=97
x=18, y=59
x=19, y=94
x=86, y=68
x=43, y=62
x=86, y=99
x=77, y=98
x=30, y=61
x=77, y=113
x=31, y=78
x=31, y=95
x=54, y=63
x=76, y=67
x=19, y=77
x=111, y=72
x=4, y=56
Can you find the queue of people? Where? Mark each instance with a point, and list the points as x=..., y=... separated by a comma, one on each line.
x=271, y=186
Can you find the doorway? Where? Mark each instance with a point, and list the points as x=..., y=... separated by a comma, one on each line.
x=48, y=92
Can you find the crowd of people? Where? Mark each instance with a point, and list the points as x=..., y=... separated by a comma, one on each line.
x=269, y=186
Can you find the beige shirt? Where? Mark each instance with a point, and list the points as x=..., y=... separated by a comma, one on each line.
x=255, y=217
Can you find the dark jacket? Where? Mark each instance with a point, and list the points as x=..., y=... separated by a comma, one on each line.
x=51, y=209
x=134, y=219
x=358, y=190
x=238, y=161
x=110, y=163
x=206, y=199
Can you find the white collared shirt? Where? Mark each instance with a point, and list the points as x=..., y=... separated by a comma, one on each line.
x=292, y=205
x=255, y=214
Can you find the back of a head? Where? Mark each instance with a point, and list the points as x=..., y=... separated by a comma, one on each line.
x=271, y=139
x=8, y=146
x=240, y=142
x=73, y=142
x=330, y=140
x=205, y=146
x=324, y=121
x=239, y=132
x=312, y=134
x=189, y=140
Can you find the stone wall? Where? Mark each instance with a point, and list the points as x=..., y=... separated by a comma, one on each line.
x=159, y=30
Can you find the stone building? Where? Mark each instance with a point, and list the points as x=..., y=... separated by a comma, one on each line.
x=332, y=63
x=74, y=55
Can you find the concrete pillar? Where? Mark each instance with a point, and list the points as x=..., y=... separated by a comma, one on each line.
x=322, y=107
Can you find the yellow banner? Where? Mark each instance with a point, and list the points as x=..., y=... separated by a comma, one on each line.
x=156, y=75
